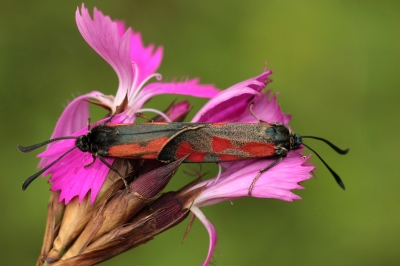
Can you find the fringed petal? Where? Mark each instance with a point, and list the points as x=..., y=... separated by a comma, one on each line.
x=276, y=183
x=102, y=34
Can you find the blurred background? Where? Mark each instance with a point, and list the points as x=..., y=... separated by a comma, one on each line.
x=336, y=67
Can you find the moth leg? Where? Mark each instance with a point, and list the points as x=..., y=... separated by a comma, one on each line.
x=253, y=114
x=116, y=171
x=262, y=171
x=89, y=164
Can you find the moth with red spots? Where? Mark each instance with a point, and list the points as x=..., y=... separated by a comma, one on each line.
x=200, y=142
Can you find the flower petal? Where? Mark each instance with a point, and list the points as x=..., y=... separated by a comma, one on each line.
x=102, y=34
x=277, y=182
x=75, y=116
x=189, y=87
x=231, y=103
x=211, y=232
x=148, y=59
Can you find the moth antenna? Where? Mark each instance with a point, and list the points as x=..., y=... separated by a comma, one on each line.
x=35, y=146
x=336, y=176
x=333, y=146
x=34, y=176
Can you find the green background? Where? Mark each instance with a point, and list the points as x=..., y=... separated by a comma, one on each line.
x=336, y=69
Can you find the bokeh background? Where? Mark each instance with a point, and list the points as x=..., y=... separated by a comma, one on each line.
x=336, y=69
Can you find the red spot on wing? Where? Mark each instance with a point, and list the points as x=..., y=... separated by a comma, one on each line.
x=157, y=144
x=258, y=149
x=185, y=148
x=220, y=144
x=148, y=150
x=196, y=157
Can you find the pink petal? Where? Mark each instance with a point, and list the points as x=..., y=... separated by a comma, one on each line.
x=277, y=182
x=73, y=179
x=103, y=36
x=211, y=232
x=189, y=87
x=148, y=59
x=75, y=116
x=231, y=103
x=144, y=61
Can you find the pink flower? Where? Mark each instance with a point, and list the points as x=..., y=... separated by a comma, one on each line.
x=135, y=64
x=232, y=105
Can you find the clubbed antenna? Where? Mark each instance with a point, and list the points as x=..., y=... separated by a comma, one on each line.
x=333, y=146
x=337, y=149
x=35, y=146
